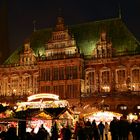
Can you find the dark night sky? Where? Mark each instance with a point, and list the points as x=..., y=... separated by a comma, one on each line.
x=22, y=13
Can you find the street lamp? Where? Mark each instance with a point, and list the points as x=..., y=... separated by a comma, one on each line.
x=13, y=96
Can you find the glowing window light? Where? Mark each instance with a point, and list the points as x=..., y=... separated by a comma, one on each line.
x=138, y=107
x=123, y=107
x=106, y=88
x=42, y=96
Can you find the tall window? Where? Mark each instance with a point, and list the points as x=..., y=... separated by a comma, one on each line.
x=55, y=74
x=68, y=72
x=121, y=76
x=72, y=90
x=47, y=75
x=48, y=89
x=135, y=75
x=75, y=90
x=15, y=84
x=91, y=78
x=71, y=72
x=90, y=81
x=5, y=86
x=69, y=91
x=35, y=83
x=26, y=84
x=135, y=79
x=105, y=77
x=75, y=72
x=56, y=89
x=61, y=73
x=121, y=81
x=105, y=81
x=61, y=91
x=45, y=88
x=43, y=73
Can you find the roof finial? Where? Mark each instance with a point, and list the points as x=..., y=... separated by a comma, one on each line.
x=120, y=13
x=34, y=23
x=60, y=12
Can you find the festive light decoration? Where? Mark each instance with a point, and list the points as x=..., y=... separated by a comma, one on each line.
x=42, y=96
x=131, y=117
x=55, y=103
x=104, y=116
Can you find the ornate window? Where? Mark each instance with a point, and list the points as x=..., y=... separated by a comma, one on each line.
x=55, y=74
x=121, y=76
x=105, y=77
x=69, y=72
x=15, y=85
x=5, y=86
x=61, y=91
x=45, y=74
x=121, y=80
x=75, y=72
x=103, y=47
x=42, y=77
x=71, y=91
x=61, y=73
x=105, y=81
x=135, y=84
x=90, y=81
x=135, y=75
x=56, y=89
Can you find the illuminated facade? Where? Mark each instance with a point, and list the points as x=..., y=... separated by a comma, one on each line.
x=95, y=63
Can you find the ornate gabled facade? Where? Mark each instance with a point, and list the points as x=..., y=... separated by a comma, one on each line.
x=20, y=80
x=61, y=72
x=27, y=55
x=84, y=64
x=61, y=43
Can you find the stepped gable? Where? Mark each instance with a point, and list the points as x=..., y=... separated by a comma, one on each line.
x=86, y=36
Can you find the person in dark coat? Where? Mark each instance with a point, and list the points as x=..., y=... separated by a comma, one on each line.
x=11, y=134
x=66, y=133
x=123, y=128
x=81, y=135
x=138, y=129
x=54, y=132
x=114, y=128
x=95, y=131
x=101, y=129
x=42, y=134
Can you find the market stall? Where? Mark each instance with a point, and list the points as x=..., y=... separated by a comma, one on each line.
x=44, y=109
x=104, y=116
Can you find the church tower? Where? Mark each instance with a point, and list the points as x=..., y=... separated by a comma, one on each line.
x=4, y=41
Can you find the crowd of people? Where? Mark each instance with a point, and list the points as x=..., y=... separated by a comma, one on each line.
x=83, y=130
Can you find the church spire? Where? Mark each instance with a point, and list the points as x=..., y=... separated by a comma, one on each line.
x=60, y=22
x=120, y=13
x=34, y=24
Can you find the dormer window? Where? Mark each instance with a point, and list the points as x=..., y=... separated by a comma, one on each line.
x=103, y=47
x=27, y=56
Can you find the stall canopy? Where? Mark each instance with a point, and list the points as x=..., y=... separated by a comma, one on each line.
x=45, y=105
x=46, y=113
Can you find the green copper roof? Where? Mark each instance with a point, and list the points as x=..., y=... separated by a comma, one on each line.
x=86, y=36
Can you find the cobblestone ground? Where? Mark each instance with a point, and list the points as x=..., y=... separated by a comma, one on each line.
x=109, y=137
x=129, y=138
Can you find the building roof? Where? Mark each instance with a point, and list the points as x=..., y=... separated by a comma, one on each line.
x=86, y=36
